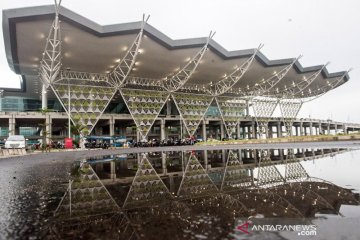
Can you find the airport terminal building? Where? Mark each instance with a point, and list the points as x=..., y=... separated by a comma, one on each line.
x=132, y=80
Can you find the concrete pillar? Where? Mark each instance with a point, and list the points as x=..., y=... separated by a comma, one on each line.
x=297, y=130
x=267, y=132
x=278, y=129
x=206, y=162
x=249, y=132
x=252, y=176
x=138, y=135
x=335, y=129
x=11, y=125
x=223, y=154
x=172, y=185
x=112, y=170
x=112, y=126
x=222, y=132
x=344, y=129
x=44, y=97
x=253, y=130
x=281, y=154
x=328, y=129
x=239, y=155
x=162, y=129
x=311, y=129
x=301, y=129
x=204, y=130
x=238, y=134
x=163, y=163
x=48, y=128
x=320, y=129
x=255, y=156
x=247, y=110
x=138, y=155
x=168, y=107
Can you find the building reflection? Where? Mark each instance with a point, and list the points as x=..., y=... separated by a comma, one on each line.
x=184, y=194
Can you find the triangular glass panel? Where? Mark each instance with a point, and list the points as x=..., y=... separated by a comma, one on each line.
x=192, y=108
x=293, y=168
x=264, y=107
x=231, y=109
x=289, y=110
x=235, y=175
x=89, y=110
x=143, y=118
x=268, y=174
x=86, y=195
x=195, y=182
x=147, y=188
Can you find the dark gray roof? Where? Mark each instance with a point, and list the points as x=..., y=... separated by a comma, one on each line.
x=11, y=16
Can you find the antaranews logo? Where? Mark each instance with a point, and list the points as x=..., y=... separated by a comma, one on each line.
x=244, y=227
x=303, y=227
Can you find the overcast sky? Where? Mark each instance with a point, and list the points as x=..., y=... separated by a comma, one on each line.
x=321, y=30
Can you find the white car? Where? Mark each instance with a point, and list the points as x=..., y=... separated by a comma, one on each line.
x=15, y=141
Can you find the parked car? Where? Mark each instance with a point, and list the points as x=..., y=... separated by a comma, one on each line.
x=15, y=141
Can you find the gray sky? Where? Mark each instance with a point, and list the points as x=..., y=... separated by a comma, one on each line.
x=322, y=30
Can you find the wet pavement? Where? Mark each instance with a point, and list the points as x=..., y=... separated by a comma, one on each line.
x=179, y=195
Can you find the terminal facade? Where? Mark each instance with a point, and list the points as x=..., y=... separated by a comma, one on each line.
x=132, y=80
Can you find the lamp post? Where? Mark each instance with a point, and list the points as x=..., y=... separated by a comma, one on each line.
x=69, y=123
x=69, y=103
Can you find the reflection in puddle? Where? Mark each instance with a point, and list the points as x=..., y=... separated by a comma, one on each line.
x=185, y=195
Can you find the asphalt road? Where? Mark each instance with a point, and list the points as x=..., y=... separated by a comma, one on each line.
x=78, y=154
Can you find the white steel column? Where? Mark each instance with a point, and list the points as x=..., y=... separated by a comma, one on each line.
x=279, y=130
x=253, y=129
x=238, y=134
x=11, y=125
x=112, y=171
x=48, y=128
x=247, y=111
x=222, y=132
x=301, y=129
x=50, y=63
x=44, y=98
x=163, y=162
x=168, y=107
x=112, y=126
x=204, y=131
x=162, y=129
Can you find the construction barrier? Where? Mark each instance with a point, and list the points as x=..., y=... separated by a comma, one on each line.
x=12, y=152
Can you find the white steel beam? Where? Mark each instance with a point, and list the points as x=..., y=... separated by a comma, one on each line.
x=178, y=80
x=74, y=75
x=50, y=63
x=296, y=88
x=265, y=85
x=228, y=81
x=122, y=70
x=290, y=105
x=309, y=96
